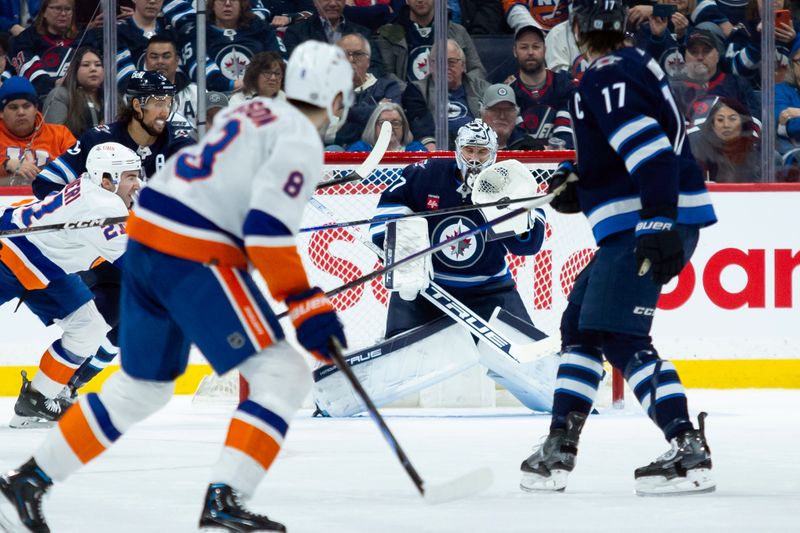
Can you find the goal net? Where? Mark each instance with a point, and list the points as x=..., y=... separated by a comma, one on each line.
x=333, y=257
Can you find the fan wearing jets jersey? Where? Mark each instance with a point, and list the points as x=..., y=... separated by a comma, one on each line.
x=644, y=197
x=36, y=269
x=474, y=270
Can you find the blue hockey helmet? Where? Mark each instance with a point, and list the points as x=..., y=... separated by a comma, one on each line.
x=599, y=15
x=146, y=83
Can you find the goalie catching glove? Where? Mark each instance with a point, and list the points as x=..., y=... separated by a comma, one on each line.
x=658, y=247
x=506, y=180
x=566, y=201
x=316, y=322
x=403, y=238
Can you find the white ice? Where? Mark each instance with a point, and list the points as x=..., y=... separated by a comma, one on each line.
x=339, y=475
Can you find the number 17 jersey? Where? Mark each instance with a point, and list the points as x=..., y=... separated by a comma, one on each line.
x=237, y=196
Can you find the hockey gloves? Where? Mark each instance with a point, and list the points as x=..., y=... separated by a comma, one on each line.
x=316, y=322
x=659, y=248
x=567, y=200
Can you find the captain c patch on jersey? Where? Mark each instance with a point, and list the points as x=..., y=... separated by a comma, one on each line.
x=461, y=254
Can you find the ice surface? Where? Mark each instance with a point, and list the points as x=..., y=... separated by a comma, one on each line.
x=339, y=475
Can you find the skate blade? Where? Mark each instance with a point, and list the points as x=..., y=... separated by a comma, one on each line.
x=458, y=488
x=697, y=481
x=557, y=482
x=29, y=422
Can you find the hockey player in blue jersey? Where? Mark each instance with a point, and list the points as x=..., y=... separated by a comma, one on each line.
x=474, y=270
x=644, y=196
x=143, y=127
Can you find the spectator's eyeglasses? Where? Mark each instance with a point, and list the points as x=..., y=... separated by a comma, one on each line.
x=272, y=74
x=358, y=54
x=393, y=123
x=61, y=9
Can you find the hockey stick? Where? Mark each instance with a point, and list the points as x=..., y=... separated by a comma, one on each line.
x=80, y=224
x=461, y=487
x=368, y=166
x=434, y=212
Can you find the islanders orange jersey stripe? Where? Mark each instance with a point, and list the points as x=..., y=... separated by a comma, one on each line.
x=252, y=441
x=55, y=369
x=183, y=246
x=79, y=435
x=16, y=264
x=281, y=268
x=246, y=308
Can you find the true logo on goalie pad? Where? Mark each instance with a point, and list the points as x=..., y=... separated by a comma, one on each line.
x=461, y=254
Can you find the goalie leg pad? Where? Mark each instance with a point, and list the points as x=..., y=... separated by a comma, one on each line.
x=279, y=380
x=404, y=238
x=388, y=374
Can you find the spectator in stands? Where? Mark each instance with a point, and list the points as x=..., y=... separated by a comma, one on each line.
x=368, y=90
x=500, y=111
x=787, y=109
x=28, y=143
x=744, y=44
x=406, y=44
x=161, y=55
x=234, y=34
x=263, y=77
x=543, y=14
x=78, y=102
x=482, y=17
x=328, y=25
x=689, y=14
x=89, y=12
x=42, y=52
x=543, y=96
x=702, y=75
x=402, y=139
x=16, y=15
x=373, y=14
x=464, y=96
x=215, y=102
x=727, y=146
x=5, y=71
x=133, y=34
x=561, y=50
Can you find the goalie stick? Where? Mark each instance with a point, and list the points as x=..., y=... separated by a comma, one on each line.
x=461, y=487
x=368, y=166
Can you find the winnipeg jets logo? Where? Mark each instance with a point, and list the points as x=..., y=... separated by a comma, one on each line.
x=233, y=61
x=458, y=254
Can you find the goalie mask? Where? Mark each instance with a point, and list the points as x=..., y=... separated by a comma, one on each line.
x=476, y=133
x=111, y=160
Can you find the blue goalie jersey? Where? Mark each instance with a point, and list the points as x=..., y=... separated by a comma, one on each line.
x=632, y=147
x=433, y=184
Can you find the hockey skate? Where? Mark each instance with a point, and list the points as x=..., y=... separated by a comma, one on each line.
x=547, y=469
x=222, y=511
x=21, y=493
x=34, y=410
x=684, y=469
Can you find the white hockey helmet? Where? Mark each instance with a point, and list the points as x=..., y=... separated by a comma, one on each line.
x=475, y=133
x=316, y=73
x=111, y=159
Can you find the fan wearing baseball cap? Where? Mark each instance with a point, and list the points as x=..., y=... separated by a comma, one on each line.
x=500, y=111
x=28, y=143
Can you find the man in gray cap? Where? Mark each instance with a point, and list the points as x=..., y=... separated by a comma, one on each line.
x=214, y=103
x=500, y=111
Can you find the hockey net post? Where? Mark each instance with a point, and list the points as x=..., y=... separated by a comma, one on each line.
x=334, y=257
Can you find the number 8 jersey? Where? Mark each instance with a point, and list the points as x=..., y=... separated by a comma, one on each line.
x=237, y=196
x=632, y=147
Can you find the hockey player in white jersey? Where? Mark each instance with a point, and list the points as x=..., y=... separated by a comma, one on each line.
x=37, y=268
x=231, y=202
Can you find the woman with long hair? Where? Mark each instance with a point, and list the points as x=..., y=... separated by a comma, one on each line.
x=42, y=53
x=78, y=102
x=401, y=141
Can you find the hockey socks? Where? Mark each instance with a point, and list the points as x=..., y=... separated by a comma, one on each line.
x=577, y=381
x=56, y=367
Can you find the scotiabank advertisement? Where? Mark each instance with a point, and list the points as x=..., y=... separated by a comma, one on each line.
x=737, y=299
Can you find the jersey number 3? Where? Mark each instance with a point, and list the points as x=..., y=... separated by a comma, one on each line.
x=192, y=167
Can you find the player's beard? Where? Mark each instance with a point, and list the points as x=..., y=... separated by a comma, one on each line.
x=146, y=127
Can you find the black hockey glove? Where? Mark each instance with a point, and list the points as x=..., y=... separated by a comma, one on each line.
x=659, y=248
x=567, y=200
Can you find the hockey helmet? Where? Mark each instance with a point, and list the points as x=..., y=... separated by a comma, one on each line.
x=111, y=160
x=146, y=83
x=599, y=15
x=475, y=133
x=316, y=73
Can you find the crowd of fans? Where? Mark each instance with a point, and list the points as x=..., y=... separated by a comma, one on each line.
x=513, y=63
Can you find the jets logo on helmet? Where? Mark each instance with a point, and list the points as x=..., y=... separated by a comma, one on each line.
x=110, y=160
x=475, y=133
